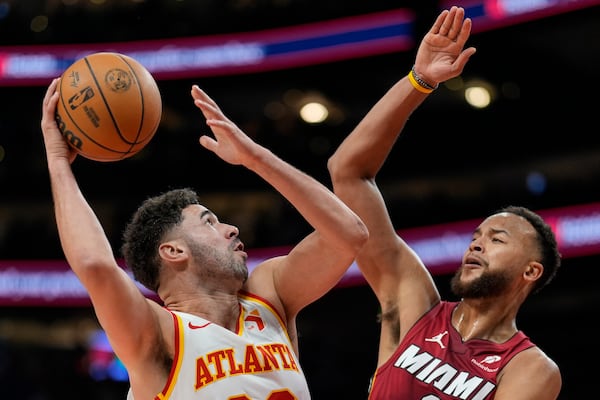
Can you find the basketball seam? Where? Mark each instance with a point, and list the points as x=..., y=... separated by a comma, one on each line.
x=90, y=138
x=141, y=93
x=108, y=108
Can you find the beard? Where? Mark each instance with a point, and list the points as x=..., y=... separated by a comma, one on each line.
x=488, y=284
x=218, y=263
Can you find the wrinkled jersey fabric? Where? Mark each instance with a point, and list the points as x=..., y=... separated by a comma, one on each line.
x=257, y=362
x=433, y=362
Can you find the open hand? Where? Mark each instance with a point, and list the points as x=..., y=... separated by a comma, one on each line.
x=440, y=55
x=230, y=143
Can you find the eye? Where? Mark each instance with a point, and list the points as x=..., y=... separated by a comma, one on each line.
x=210, y=220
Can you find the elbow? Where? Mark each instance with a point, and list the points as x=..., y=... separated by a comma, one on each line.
x=359, y=237
x=342, y=177
x=348, y=237
x=89, y=268
x=360, y=243
x=335, y=168
x=346, y=170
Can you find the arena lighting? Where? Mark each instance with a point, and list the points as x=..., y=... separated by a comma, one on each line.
x=479, y=94
x=314, y=112
x=52, y=283
x=312, y=107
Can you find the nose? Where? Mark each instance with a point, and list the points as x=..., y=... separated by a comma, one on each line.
x=475, y=245
x=233, y=231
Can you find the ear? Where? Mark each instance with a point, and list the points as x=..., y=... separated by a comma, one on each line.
x=533, y=271
x=173, y=251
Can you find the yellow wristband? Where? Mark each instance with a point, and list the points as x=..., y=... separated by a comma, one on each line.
x=417, y=85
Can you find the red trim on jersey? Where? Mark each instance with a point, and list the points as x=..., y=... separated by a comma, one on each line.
x=256, y=297
x=177, y=358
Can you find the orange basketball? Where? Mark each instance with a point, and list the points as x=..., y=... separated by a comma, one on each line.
x=109, y=107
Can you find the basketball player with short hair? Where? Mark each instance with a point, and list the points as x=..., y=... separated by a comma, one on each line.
x=432, y=349
x=220, y=332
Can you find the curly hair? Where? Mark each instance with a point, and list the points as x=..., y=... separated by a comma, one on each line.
x=143, y=234
x=551, y=258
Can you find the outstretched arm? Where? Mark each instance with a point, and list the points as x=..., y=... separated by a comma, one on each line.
x=400, y=281
x=122, y=310
x=316, y=264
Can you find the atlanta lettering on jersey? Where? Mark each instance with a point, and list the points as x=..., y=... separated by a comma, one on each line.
x=443, y=376
x=256, y=359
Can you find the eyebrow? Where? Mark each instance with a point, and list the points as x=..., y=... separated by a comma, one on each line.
x=493, y=230
x=205, y=213
x=209, y=214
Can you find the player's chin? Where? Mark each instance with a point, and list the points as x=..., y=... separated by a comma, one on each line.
x=470, y=270
x=471, y=266
x=243, y=254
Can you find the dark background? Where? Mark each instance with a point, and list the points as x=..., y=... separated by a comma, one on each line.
x=453, y=162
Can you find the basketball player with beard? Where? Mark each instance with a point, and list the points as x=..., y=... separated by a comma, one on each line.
x=219, y=331
x=431, y=349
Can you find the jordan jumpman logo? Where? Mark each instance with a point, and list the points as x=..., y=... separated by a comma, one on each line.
x=438, y=339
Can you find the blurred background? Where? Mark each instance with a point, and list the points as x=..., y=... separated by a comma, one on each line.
x=535, y=144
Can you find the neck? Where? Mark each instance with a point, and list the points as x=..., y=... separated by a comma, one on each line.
x=489, y=323
x=466, y=331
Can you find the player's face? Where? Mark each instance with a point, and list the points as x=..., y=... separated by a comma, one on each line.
x=215, y=246
x=500, y=251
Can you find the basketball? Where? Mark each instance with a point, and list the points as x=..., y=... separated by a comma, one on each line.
x=109, y=106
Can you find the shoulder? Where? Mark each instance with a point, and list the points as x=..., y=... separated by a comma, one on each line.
x=535, y=357
x=261, y=283
x=530, y=374
x=539, y=359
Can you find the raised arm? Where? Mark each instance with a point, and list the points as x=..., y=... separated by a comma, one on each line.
x=400, y=281
x=122, y=310
x=319, y=261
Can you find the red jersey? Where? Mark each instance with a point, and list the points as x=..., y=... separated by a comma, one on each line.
x=433, y=362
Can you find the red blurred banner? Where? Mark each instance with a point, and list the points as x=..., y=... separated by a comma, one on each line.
x=51, y=282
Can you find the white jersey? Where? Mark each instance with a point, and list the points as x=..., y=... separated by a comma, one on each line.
x=257, y=362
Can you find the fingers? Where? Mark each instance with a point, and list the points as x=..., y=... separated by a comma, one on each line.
x=437, y=25
x=199, y=94
x=52, y=87
x=51, y=91
x=200, y=97
x=455, y=19
x=49, y=103
x=452, y=23
x=461, y=60
x=208, y=143
x=448, y=22
x=209, y=108
x=464, y=32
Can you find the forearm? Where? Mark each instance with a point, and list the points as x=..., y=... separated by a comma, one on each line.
x=324, y=211
x=81, y=235
x=365, y=150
